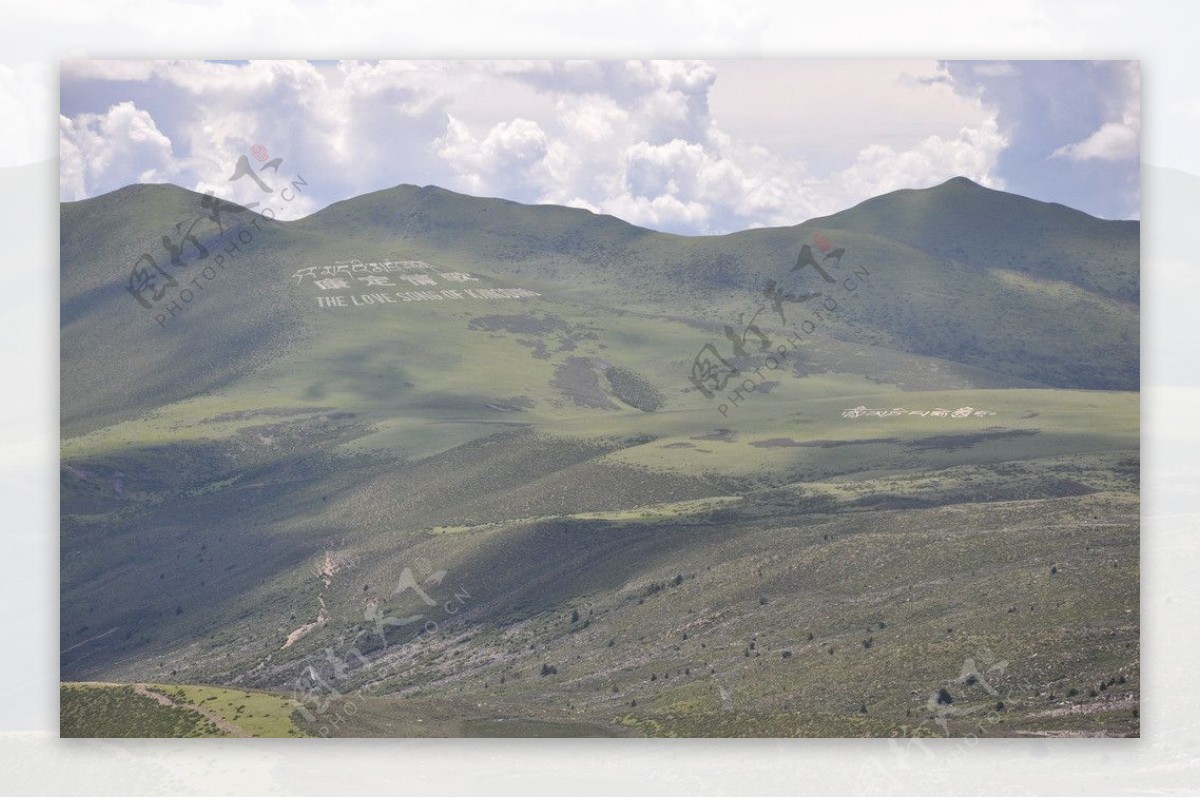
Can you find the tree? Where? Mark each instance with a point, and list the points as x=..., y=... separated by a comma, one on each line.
x=574, y=616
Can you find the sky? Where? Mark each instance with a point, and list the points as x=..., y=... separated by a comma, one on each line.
x=689, y=147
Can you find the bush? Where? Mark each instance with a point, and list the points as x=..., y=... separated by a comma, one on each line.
x=944, y=696
x=548, y=669
x=634, y=390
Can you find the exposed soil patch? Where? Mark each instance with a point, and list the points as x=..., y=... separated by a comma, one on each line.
x=578, y=381
x=774, y=443
x=524, y=324
x=269, y=412
x=515, y=404
x=543, y=335
x=951, y=443
x=217, y=720
x=723, y=435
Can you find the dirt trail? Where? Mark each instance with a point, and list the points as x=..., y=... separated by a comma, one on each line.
x=166, y=701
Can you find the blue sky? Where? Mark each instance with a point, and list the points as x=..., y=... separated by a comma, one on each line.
x=689, y=147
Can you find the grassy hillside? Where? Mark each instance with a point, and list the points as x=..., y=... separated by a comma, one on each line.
x=91, y=709
x=497, y=513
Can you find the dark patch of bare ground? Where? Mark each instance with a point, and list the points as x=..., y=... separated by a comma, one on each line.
x=1018, y=490
x=951, y=443
x=524, y=324
x=270, y=412
x=723, y=435
x=546, y=329
x=578, y=381
x=773, y=443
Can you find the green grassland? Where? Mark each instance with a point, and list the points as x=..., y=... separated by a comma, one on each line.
x=603, y=550
x=91, y=709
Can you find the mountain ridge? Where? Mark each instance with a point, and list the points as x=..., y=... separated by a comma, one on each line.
x=982, y=278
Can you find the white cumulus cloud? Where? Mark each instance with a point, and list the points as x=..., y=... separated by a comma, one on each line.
x=103, y=152
x=658, y=143
x=1116, y=139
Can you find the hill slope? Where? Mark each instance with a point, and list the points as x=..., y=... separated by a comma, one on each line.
x=492, y=401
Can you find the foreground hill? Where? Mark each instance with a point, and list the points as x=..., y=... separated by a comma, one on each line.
x=488, y=474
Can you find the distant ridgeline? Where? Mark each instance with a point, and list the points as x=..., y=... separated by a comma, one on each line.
x=1034, y=290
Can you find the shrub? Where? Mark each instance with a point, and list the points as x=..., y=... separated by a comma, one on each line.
x=634, y=390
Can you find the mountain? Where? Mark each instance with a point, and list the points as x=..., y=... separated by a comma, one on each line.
x=1022, y=288
x=504, y=405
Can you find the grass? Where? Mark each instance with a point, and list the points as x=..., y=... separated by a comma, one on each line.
x=173, y=710
x=208, y=483
x=88, y=710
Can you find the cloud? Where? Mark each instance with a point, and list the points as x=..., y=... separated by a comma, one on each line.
x=684, y=146
x=1118, y=139
x=995, y=69
x=972, y=153
x=103, y=152
x=502, y=157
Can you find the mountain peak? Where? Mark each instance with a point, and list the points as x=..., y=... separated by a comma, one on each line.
x=959, y=182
